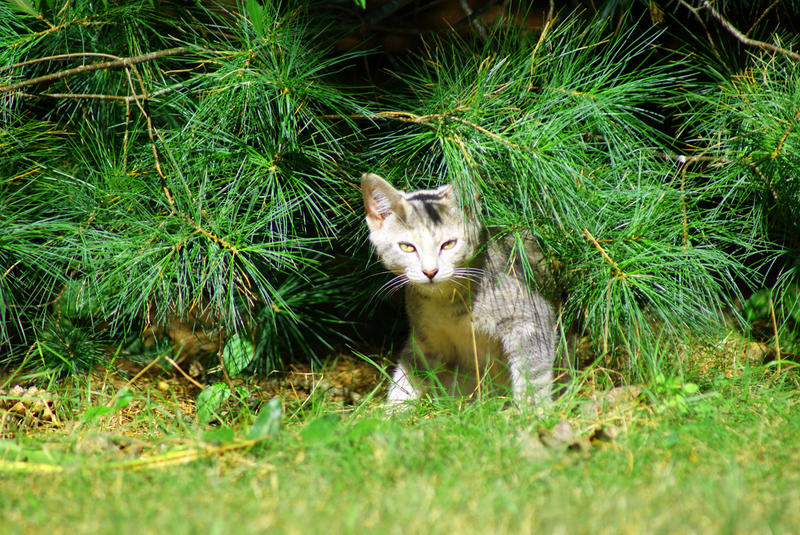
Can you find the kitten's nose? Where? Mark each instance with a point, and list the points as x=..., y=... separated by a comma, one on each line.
x=431, y=274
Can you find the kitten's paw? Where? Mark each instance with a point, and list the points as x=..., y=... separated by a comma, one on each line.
x=534, y=402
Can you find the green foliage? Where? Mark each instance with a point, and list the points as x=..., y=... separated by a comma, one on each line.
x=121, y=400
x=310, y=318
x=65, y=348
x=744, y=130
x=210, y=400
x=775, y=317
x=267, y=421
x=211, y=174
x=556, y=134
x=237, y=354
x=31, y=228
x=674, y=393
x=225, y=181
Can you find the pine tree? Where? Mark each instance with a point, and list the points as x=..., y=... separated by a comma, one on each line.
x=163, y=161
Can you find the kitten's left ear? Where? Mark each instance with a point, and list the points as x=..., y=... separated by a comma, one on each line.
x=380, y=200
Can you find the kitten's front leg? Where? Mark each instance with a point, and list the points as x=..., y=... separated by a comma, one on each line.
x=530, y=351
x=402, y=388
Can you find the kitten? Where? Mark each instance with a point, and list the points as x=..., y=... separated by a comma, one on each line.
x=471, y=312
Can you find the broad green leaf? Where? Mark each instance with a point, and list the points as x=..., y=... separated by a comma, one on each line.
x=237, y=354
x=268, y=421
x=94, y=412
x=690, y=388
x=124, y=397
x=210, y=399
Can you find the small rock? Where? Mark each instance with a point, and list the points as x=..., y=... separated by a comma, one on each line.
x=561, y=437
x=532, y=447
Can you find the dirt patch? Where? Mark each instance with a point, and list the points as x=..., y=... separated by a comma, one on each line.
x=25, y=406
x=346, y=379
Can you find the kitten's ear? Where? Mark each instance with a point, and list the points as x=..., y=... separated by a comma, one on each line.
x=471, y=204
x=447, y=192
x=380, y=200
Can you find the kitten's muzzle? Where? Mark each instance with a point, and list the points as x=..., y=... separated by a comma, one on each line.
x=431, y=273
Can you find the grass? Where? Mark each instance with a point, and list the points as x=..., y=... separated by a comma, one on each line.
x=721, y=460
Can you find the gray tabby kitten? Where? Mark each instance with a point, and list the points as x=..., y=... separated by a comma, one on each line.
x=471, y=312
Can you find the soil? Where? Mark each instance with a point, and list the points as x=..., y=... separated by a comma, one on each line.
x=345, y=380
x=25, y=407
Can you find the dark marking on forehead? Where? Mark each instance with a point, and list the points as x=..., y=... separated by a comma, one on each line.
x=433, y=213
x=430, y=206
x=425, y=196
x=428, y=213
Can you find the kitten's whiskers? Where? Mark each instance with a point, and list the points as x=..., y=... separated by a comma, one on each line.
x=471, y=274
x=392, y=285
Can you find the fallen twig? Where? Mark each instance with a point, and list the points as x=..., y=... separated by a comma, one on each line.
x=188, y=377
x=170, y=458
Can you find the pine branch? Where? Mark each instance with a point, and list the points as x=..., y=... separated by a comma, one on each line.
x=93, y=96
x=761, y=17
x=116, y=64
x=620, y=274
x=150, y=130
x=474, y=20
x=492, y=135
x=548, y=24
x=408, y=117
x=702, y=23
x=59, y=57
x=720, y=160
x=785, y=135
x=403, y=116
x=742, y=38
x=130, y=66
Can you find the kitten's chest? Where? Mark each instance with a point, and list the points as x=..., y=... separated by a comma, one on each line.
x=446, y=329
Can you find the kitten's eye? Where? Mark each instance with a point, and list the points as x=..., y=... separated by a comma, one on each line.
x=449, y=244
x=407, y=247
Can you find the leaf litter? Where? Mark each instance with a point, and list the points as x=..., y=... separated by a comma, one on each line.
x=127, y=439
x=603, y=418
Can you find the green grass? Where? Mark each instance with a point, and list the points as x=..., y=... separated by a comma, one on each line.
x=723, y=461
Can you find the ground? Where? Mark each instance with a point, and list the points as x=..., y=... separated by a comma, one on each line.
x=315, y=451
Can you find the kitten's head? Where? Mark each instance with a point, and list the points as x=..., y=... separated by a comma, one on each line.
x=422, y=236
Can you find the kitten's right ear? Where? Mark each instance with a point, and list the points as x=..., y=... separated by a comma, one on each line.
x=380, y=200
